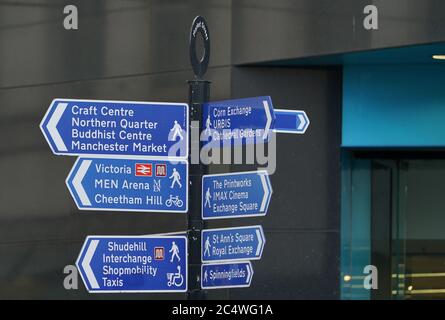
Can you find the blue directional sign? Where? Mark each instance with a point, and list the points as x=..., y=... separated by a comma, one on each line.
x=134, y=264
x=230, y=244
x=116, y=128
x=242, y=121
x=129, y=184
x=232, y=195
x=226, y=275
x=291, y=121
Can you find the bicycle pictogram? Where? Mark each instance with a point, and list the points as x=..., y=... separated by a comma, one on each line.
x=174, y=201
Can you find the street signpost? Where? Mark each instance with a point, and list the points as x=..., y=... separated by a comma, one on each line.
x=117, y=128
x=232, y=244
x=118, y=264
x=199, y=93
x=133, y=157
x=129, y=185
x=291, y=121
x=235, y=195
x=226, y=275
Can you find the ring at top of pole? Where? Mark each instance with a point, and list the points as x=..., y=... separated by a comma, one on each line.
x=199, y=64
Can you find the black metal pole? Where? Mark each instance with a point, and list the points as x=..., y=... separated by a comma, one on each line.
x=199, y=93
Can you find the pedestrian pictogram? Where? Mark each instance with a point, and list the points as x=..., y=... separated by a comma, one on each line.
x=175, y=252
x=176, y=179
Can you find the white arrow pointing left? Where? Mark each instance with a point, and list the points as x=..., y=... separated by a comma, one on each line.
x=52, y=126
x=86, y=264
x=77, y=182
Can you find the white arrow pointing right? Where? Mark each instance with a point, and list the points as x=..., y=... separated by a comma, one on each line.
x=86, y=264
x=269, y=119
x=52, y=126
x=302, y=121
x=77, y=182
x=249, y=272
x=260, y=242
x=266, y=192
